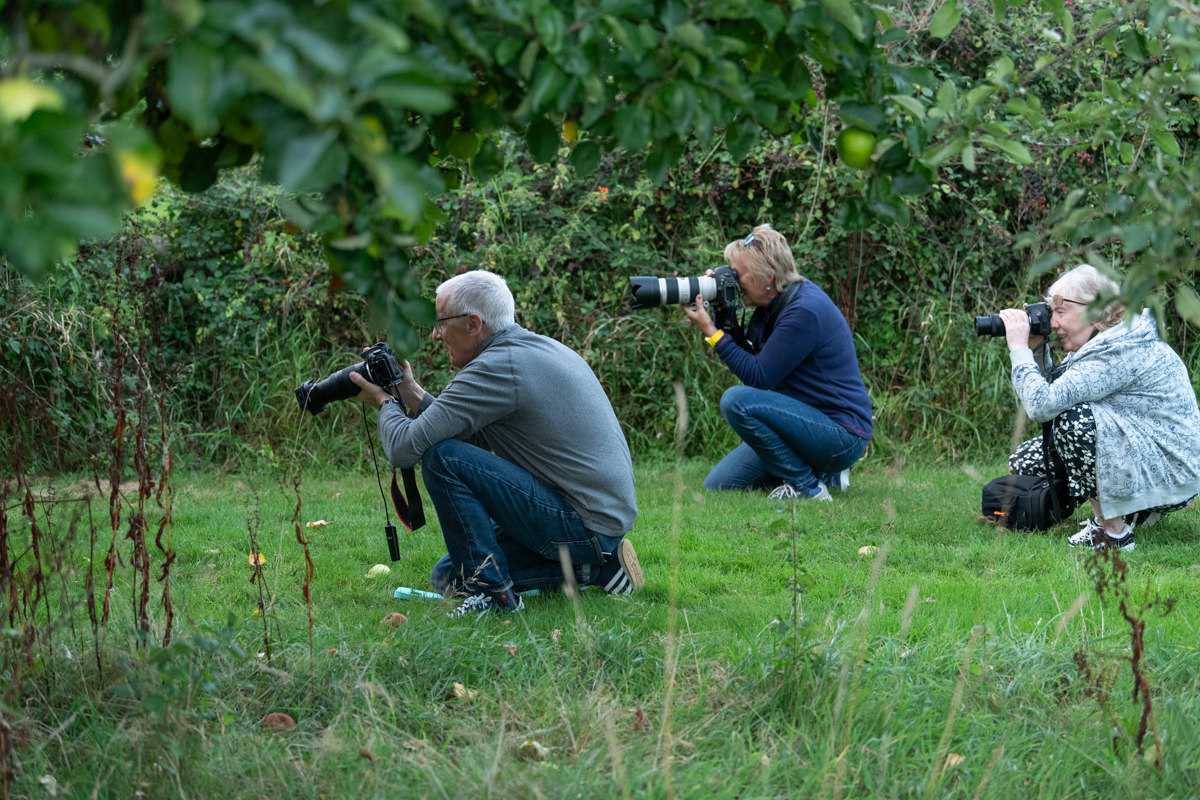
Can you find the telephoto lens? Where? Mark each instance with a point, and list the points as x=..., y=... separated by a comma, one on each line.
x=652, y=292
x=379, y=366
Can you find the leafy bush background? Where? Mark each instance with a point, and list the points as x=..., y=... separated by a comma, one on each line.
x=249, y=308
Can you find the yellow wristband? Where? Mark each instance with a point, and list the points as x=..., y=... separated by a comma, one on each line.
x=716, y=337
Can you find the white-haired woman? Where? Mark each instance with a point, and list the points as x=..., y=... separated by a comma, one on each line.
x=1125, y=419
x=803, y=413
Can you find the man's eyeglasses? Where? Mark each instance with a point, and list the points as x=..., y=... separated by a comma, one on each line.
x=1056, y=302
x=438, y=325
x=750, y=240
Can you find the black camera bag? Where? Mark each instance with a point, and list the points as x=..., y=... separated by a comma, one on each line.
x=1027, y=502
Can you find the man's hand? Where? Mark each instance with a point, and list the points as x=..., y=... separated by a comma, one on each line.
x=375, y=395
x=1016, y=327
x=699, y=316
x=410, y=391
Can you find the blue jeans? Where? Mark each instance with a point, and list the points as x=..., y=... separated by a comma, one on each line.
x=783, y=439
x=503, y=528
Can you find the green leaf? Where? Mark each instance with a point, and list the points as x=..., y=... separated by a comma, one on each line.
x=862, y=115
x=543, y=140
x=909, y=183
x=910, y=104
x=191, y=72
x=1015, y=150
x=1044, y=263
x=740, y=138
x=529, y=59
x=550, y=27
x=1187, y=304
x=487, y=163
x=1165, y=140
x=843, y=11
x=632, y=126
x=947, y=96
x=968, y=158
x=585, y=157
x=945, y=20
x=301, y=156
x=507, y=50
x=999, y=7
x=1031, y=112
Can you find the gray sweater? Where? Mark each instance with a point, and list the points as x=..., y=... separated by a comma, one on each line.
x=539, y=406
x=1147, y=422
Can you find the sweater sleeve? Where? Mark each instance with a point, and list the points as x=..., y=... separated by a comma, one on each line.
x=795, y=336
x=473, y=400
x=1086, y=381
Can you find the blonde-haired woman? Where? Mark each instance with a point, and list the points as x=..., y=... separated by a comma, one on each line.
x=803, y=413
x=1125, y=420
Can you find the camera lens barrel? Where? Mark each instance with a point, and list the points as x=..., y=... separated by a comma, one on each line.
x=313, y=396
x=990, y=325
x=650, y=292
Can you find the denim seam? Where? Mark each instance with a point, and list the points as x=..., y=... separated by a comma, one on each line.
x=517, y=489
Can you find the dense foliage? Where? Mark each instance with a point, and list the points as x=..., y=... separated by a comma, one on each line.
x=369, y=109
x=249, y=304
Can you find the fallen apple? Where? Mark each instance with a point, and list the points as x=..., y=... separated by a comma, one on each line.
x=278, y=722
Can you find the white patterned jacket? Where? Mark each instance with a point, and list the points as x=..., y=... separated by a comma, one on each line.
x=1147, y=420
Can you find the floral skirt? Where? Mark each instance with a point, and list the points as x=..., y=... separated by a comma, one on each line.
x=1075, y=441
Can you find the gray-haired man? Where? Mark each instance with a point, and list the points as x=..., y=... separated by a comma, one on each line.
x=558, y=474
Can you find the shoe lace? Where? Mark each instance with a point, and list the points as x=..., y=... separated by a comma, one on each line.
x=784, y=491
x=476, y=602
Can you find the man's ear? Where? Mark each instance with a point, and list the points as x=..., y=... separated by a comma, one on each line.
x=475, y=323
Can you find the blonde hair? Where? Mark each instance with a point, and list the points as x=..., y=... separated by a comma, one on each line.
x=1084, y=283
x=767, y=256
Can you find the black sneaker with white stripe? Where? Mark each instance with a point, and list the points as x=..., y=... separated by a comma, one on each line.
x=507, y=600
x=622, y=573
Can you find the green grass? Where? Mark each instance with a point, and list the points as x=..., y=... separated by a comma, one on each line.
x=879, y=694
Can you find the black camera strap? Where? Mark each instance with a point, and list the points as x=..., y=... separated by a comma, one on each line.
x=411, y=511
x=762, y=323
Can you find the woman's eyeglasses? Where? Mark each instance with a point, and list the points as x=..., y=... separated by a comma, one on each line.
x=1056, y=302
x=750, y=240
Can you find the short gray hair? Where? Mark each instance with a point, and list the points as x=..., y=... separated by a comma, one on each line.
x=479, y=292
x=1084, y=283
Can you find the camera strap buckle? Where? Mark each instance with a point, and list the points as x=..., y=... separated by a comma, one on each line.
x=411, y=511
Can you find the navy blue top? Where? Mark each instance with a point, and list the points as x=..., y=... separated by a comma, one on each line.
x=809, y=356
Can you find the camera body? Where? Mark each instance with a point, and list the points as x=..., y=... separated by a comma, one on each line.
x=379, y=366
x=720, y=289
x=1039, y=322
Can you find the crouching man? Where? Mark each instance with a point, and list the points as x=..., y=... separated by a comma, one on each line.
x=522, y=455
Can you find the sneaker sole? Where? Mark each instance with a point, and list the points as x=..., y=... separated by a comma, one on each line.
x=629, y=560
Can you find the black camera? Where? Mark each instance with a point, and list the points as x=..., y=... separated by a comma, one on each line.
x=1039, y=322
x=379, y=366
x=720, y=289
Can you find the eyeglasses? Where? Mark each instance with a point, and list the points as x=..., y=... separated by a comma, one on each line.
x=438, y=325
x=1056, y=302
x=750, y=240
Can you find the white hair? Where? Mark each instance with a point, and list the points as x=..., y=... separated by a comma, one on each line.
x=1084, y=283
x=479, y=292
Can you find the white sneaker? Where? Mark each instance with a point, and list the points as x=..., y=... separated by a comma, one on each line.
x=1095, y=536
x=785, y=491
x=843, y=479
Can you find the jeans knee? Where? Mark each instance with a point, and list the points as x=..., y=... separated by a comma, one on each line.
x=442, y=576
x=733, y=401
